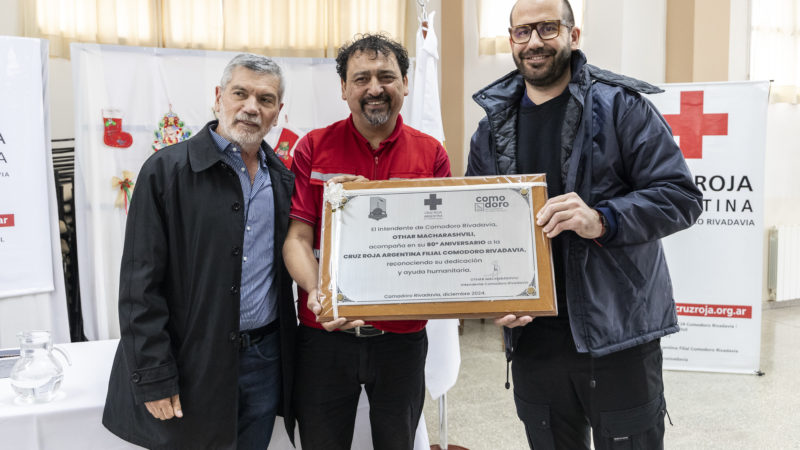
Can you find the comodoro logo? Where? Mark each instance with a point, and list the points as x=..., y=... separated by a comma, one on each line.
x=492, y=201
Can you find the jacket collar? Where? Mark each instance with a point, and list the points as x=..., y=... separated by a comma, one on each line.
x=203, y=151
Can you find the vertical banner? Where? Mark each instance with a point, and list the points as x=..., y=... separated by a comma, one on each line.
x=717, y=264
x=26, y=262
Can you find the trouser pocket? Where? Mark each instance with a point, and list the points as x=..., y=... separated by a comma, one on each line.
x=537, y=424
x=636, y=428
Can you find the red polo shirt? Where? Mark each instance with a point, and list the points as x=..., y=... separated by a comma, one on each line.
x=340, y=149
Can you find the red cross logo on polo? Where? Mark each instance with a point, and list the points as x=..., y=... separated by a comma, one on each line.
x=6, y=220
x=692, y=124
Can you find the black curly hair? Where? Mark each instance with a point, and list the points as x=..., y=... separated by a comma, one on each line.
x=371, y=43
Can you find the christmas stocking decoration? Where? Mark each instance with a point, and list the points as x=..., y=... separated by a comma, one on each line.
x=113, y=136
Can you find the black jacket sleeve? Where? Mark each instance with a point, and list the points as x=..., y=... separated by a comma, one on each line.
x=143, y=295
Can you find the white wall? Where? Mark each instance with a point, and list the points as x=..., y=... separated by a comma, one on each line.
x=645, y=39
x=479, y=70
x=738, y=51
x=62, y=125
x=782, y=189
x=627, y=36
x=11, y=18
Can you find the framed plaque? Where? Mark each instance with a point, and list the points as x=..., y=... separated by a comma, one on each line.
x=435, y=248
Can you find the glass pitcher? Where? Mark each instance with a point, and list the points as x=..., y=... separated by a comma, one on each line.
x=37, y=375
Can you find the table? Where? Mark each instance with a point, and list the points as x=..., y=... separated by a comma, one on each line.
x=73, y=419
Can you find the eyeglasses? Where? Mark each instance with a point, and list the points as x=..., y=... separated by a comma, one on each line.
x=547, y=29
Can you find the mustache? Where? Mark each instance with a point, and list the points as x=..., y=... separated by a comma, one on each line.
x=383, y=97
x=537, y=52
x=252, y=118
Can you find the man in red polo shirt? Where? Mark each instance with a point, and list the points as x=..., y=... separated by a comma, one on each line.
x=335, y=358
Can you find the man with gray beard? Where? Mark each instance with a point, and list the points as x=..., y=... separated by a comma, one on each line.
x=335, y=358
x=205, y=305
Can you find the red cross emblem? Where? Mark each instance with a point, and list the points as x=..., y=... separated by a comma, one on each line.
x=691, y=124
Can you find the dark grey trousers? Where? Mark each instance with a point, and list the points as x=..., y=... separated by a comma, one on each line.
x=562, y=396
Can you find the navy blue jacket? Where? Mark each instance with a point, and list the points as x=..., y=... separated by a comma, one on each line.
x=617, y=153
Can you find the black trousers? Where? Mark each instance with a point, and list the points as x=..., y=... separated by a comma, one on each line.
x=332, y=366
x=562, y=395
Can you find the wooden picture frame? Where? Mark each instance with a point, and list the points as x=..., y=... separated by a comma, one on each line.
x=344, y=219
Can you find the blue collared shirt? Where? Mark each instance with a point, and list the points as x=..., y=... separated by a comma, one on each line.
x=258, y=302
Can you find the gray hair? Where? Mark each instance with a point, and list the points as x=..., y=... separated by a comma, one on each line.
x=256, y=63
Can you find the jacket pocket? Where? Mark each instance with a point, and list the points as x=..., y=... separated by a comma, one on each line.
x=636, y=428
x=537, y=424
x=628, y=267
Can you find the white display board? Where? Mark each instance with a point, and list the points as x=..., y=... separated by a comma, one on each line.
x=32, y=293
x=26, y=263
x=717, y=264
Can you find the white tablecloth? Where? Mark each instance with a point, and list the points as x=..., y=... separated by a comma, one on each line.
x=73, y=419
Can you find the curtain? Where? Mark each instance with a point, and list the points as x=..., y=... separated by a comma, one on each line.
x=493, y=24
x=310, y=28
x=125, y=22
x=775, y=47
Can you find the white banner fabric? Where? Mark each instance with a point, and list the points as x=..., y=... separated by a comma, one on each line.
x=717, y=264
x=26, y=263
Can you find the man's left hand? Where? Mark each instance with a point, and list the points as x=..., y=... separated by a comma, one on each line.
x=569, y=212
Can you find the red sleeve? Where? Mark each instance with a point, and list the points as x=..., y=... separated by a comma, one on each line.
x=305, y=203
x=442, y=163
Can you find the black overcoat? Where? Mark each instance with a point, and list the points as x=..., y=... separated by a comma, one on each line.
x=179, y=298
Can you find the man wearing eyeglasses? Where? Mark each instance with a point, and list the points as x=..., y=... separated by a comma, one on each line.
x=617, y=183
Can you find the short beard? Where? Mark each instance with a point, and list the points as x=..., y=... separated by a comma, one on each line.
x=560, y=64
x=245, y=138
x=377, y=118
